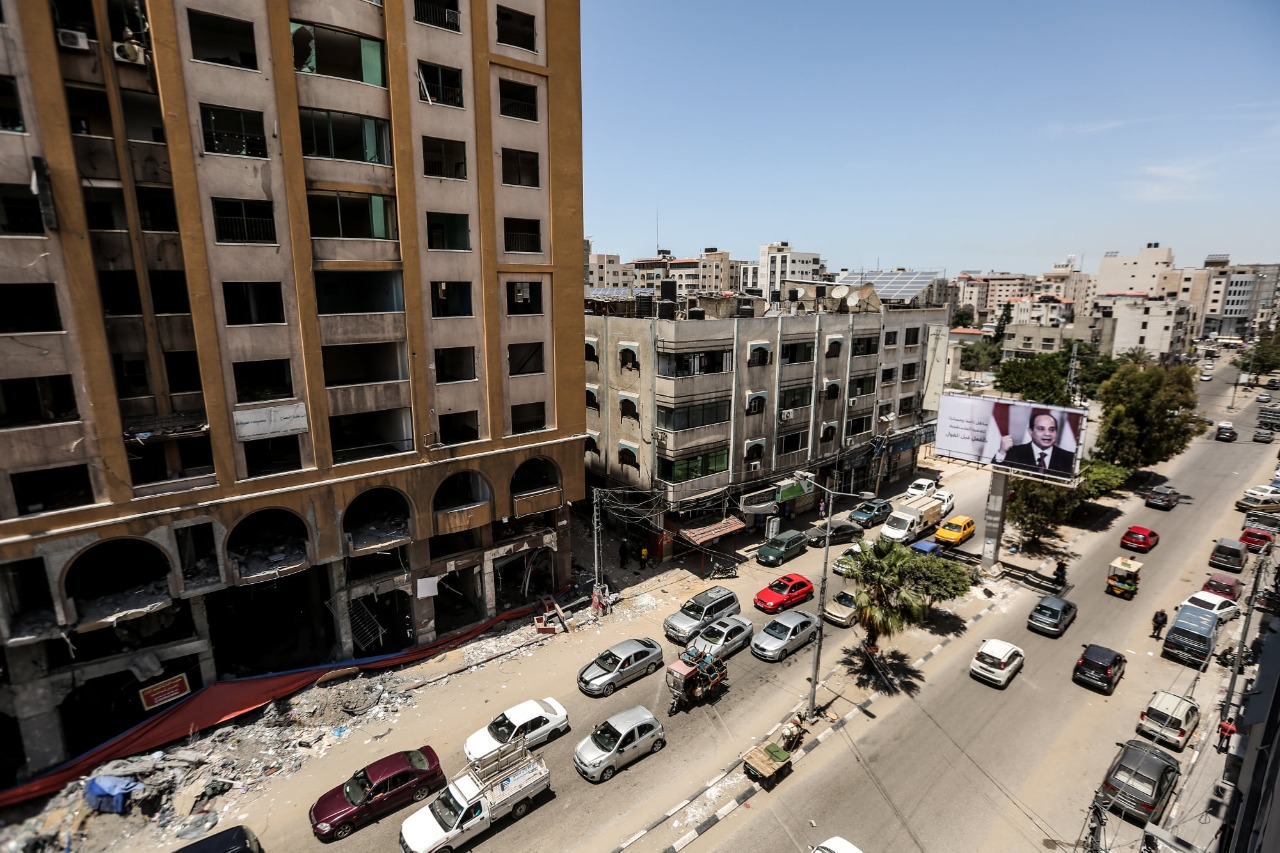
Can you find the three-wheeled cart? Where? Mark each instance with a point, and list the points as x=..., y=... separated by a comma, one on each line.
x=771, y=761
x=1124, y=576
x=694, y=676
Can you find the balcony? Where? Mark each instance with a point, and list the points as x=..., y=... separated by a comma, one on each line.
x=792, y=460
x=438, y=13
x=458, y=519
x=361, y=328
x=682, y=491
x=176, y=331
x=242, y=229
x=96, y=157
x=150, y=161
x=540, y=501
x=371, y=397
x=163, y=250
x=703, y=383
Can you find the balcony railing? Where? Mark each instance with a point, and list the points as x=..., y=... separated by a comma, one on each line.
x=235, y=229
x=518, y=109
x=437, y=93
x=230, y=142
x=517, y=241
x=436, y=15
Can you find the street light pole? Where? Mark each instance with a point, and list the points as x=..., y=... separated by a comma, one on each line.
x=822, y=603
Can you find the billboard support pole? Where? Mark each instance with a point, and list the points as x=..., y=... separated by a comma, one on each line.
x=994, y=521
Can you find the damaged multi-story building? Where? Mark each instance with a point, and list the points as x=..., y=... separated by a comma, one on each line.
x=290, y=342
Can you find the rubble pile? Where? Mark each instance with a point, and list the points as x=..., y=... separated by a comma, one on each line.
x=188, y=785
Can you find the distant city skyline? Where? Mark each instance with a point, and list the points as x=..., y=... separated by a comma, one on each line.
x=927, y=135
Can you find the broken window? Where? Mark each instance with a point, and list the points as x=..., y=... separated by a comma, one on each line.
x=459, y=427
x=169, y=291
x=517, y=100
x=37, y=400
x=345, y=136
x=524, y=297
x=32, y=308
x=444, y=158
x=520, y=168
x=364, y=435
x=51, y=489
x=10, y=106
x=183, y=370
x=265, y=456
x=517, y=29
x=197, y=554
x=440, y=84
x=231, y=131
x=363, y=292
x=335, y=53
x=448, y=232
x=528, y=417
x=252, y=303
x=455, y=364
x=156, y=211
x=269, y=379
x=450, y=299
x=344, y=215
x=362, y=364
x=524, y=359
x=225, y=41
x=522, y=235
x=19, y=211
x=119, y=292
x=243, y=221
x=130, y=371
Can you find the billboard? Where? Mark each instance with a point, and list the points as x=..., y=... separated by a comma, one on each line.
x=1029, y=437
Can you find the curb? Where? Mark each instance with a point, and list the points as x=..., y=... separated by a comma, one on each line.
x=724, y=811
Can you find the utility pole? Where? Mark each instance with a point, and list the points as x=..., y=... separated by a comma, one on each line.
x=822, y=602
x=1071, y=372
x=1263, y=564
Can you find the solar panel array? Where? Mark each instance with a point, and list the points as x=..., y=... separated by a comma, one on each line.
x=893, y=284
x=1217, y=258
x=618, y=292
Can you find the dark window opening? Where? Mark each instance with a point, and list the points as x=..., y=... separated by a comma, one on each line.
x=345, y=136
x=888, y=374
x=26, y=587
x=528, y=417
x=265, y=456
x=19, y=210
x=156, y=210
x=517, y=100
x=231, y=131
x=828, y=432
x=755, y=452
x=857, y=425
x=450, y=299
x=455, y=364
x=448, y=231
x=525, y=359
x=755, y=405
x=797, y=353
x=593, y=355
x=438, y=13
x=197, y=554
x=911, y=337
x=793, y=442
x=444, y=158
x=524, y=297
x=866, y=346
x=10, y=106
x=148, y=462
x=522, y=235
x=358, y=216
x=364, y=292
x=795, y=398
x=195, y=455
x=37, y=400
x=252, y=303
x=833, y=392
x=183, y=370
x=695, y=363
x=362, y=364
x=518, y=29
x=29, y=308
x=590, y=446
x=225, y=41
x=627, y=458
x=243, y=221
x=692, y=417
x=169, y=291
x=909, y=371
x=270, y=379
x=130, y=371
x=628, y=409
x=51, y=489
x=459, y=428
x=690, y=468
x=104, y=209
x=891, y=338
x=593, y=402
x=628, y=360
x=760, y=356
x=833, y=349
x=440, y=84
x=520, y=168
x=365, y=435
x=860, y=385
x=335, y=53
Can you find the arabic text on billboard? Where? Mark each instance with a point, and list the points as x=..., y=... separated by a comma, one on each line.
x=1030, y=437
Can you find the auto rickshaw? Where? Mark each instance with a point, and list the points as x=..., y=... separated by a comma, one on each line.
x=1124, y=576
x=694, y=676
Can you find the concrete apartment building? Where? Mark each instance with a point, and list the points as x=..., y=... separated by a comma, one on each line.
x=779, y=262
x=1135, y=273
x=1127, y=321
x=609, y=271
x=732, y=395
x=290, y=357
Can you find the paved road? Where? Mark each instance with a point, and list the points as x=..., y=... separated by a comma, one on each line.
x=966, y=767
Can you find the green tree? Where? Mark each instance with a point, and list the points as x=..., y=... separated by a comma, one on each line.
x=963, y=317
x=1041, y=378
x=1263, y=357
x=936, y=579
x=1101, y=477
x=1140, y=356
x=1006, y=317
x=885, y=603
x=1036, y=507
x=1092, y=370
x=1148, y=416
x=979, y=356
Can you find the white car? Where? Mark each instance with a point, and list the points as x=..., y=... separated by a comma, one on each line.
x=538, y=720
x=784, y=635
x=948, y=502
x=997, y=662
x=1264, y=398
x=835, y=844
x=1262, y=492
x=922, y=486
x=1219, y=604
x=1206, y=377
x=724, y=636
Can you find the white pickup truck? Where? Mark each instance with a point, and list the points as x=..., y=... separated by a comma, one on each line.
x=912, y=519
x=494, y=786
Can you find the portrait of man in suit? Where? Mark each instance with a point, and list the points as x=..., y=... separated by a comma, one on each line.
x=1040, y=454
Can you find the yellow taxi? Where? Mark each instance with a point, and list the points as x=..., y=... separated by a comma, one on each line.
x=957, y=530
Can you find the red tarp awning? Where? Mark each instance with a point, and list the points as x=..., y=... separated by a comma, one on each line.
x=699, y=535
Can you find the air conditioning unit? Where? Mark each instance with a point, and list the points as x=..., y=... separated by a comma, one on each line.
x=129, y=52
x=522, y=291
x=850, y=441
x=786, y=414
x=73, y=40
x=853, y=401
x=753, y=466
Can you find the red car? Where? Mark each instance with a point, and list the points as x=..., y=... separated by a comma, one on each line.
x=1140, y=539
x=382, y=787
x=784, y=592
x=1225, y=586
x=1256, y=540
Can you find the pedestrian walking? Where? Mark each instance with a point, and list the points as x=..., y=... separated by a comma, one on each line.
x=623, y=553
x=1158, y=621
x=1226, y=729
x=644, y=559
x=822, y=509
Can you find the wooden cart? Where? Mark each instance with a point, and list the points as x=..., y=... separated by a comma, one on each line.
x=1124, y=577
x=771, y=761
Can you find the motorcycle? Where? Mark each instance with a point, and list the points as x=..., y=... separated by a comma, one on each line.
x=1227, y=658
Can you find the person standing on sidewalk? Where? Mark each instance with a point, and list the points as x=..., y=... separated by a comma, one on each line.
x=1158, y=622
x=1226, y=729
x=623, y=553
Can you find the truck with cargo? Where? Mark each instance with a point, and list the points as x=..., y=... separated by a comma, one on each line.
x=912, y=519
x=1269, y=417
x=502, y=783
x=1262, y=521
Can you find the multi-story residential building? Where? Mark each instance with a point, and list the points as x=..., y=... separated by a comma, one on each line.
x=291, y=352
x=610, y=271
x=749, y=279
x=1041, y=310
x=779, y=262
x=722, y=404
x=1141, y=272
x=720, y=274
x=1128, y=321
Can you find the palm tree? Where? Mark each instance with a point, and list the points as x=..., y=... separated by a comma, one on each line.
x=884, y=602
x=1136, y=355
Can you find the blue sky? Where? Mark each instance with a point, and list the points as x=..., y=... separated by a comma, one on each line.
x=986, y=135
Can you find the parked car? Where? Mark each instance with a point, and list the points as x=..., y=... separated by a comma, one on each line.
x=536, y=720
x=234, y=839
x=1225, y=586
x=1206, y=377
x=1264, y=398
x=1163, y=497
x=1225, y=608
x=1256, y=540
x=1273, y=384
x=997, y=662
x=1170, y=718
x=1052, y=615
x=699, y=612
x=948, y=502
x=1140, y=539
x=784, y=635
x=870, y=513
x=1226, y=434
x=724, y=636
x=836, y=844
x=1140, y=781
x=618, y=665
x=848, y=558
x=779, y=549
x=1253, y=503
x=1264, y=436
x=956, y=531
x=617, y=742
x=375, y=790
x=1099, y=667
x=922, y=487
x=783, y=593
x=1264, y=492
x=841, y=609
x=841, y=531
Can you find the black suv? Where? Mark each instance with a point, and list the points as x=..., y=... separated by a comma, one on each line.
x=1099, y=666
x=1226, y=434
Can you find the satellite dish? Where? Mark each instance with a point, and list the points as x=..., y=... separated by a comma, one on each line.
x=840, y=291
x=851, y=300
x=801, y=293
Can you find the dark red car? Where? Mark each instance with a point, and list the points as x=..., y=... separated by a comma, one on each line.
x=382, y=787
x=1140, y=539
x=1225, y=586
x=784, y=592
x=1256, y=540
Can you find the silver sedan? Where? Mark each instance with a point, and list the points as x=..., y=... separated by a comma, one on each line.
x=724, y=636
x=784, y=635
